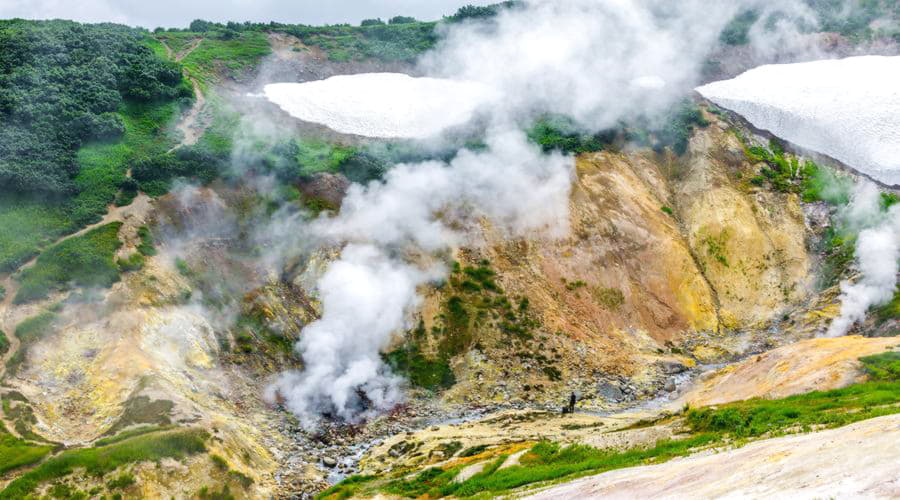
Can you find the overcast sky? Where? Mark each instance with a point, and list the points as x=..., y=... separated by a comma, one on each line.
x=178, y=13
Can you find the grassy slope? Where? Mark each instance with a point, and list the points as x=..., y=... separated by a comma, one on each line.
x=15, y=452
x=101, y=460
x=732, y=424
x=214, y=57
x=86, y=260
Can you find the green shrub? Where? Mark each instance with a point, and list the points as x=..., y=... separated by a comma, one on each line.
x=889, y=311
x=554, y=132
x=219, y=462
x=882, y=367
x=135, y=262
x=146, y=248
x=86, y=260
x=121, y=482
x=431, y=374
x=738, y=30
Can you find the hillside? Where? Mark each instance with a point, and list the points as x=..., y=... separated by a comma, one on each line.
x=182, y=262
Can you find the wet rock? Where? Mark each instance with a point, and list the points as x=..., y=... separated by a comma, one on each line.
x=609, y=392
x=672, y=367
x=670, y=386
x=329, y=462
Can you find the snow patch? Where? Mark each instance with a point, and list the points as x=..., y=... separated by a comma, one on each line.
x=848, y=109
x=386, y=105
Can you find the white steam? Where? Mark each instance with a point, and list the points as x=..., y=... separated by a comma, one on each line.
x=877, y=254
x=368, y=293
x=599, y=61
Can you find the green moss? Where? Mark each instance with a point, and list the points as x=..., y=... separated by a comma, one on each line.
x=86, y=260
x=101, y=460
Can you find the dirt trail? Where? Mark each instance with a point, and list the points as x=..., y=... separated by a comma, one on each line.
x=190, y=127
x=186, y=51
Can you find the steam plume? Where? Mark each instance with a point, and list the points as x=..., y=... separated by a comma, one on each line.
x=596, y=61
x=877, y=254
x=369, y=291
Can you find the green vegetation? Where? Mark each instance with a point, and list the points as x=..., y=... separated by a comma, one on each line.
x=219, y=462
x=155, y=174
x=889, y=311
x=852, y=19
x=481, y=12
x=134, y=262
x=679, y=126
x=421, y=371
x=130, y=433
x=15, y=452
x=78, y=102
x=63, y=84
x=759, y=417
x=26, y=224
x=102, y=460
x=673, y=132
x=731, y=424
x=140, y=410
x=29, y=332
x=234, y=57
x=86, y=260
x=715, y=247
x=738, y=30
x=121, y=482
x=346, y=488
x=384, y=42
x=4, y=343
x=559, y=133
x=610, y=298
